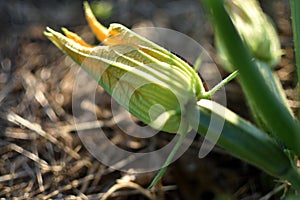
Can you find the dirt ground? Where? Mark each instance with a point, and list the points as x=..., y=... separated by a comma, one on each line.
x=41, y=155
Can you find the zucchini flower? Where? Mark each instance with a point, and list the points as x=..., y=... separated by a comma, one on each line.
x=257, y=31
x=150, y=82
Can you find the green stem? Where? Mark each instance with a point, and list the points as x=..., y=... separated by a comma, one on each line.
x=274, y=113
x=210, y=93
x=244, y=141
x=295, y=9
x=182, y=133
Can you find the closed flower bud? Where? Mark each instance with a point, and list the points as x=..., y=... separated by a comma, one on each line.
x=257, y=31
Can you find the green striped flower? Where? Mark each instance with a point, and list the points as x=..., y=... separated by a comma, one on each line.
x=153, y=84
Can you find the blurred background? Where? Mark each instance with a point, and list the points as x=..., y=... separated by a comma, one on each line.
x=40, y=154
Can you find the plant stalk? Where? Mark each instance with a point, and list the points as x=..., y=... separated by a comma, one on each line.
x=246, y=142
x=295, y=10
x=283, y=125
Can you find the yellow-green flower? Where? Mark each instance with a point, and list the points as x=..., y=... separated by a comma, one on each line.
x=139, y=74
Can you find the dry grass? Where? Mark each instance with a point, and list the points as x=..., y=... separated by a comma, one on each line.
x=42, y=157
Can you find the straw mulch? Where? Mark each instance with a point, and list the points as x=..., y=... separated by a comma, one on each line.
x=42, y=157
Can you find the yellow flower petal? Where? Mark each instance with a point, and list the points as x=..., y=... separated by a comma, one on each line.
x=68, y=45
x=98, y=29
x=75, y=37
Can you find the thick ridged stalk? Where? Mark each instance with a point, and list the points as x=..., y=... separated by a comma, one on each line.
x=245, y=141
x=277, y=116
x=295, y=8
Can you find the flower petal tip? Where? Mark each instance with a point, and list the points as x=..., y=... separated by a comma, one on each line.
x=100, y=31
